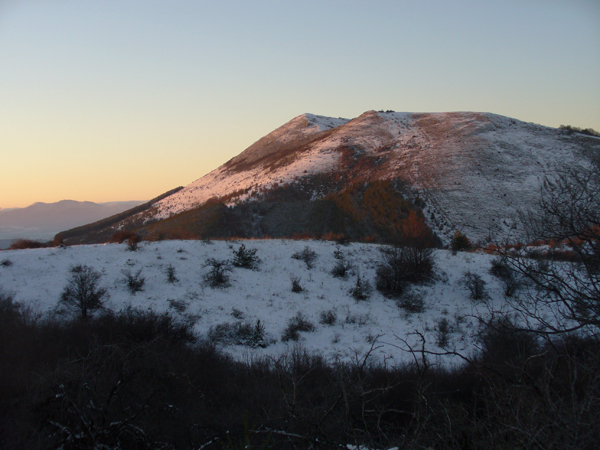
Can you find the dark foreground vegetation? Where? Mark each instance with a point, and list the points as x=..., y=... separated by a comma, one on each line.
x=140, y=380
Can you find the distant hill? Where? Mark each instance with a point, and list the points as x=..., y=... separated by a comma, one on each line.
x=461, y=171
x=43, y=220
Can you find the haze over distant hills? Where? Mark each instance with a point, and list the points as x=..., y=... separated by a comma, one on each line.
x=43, y=220
x=466, y=171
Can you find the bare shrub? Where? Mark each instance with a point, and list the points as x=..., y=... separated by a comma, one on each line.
x=179, y=306
x=22, y=244
x=6, y=263
x=510, y=280
x=237, y=314
x=358, y=319
x=401, y=265
x=239, y=333
x=83, y=294
x=121, y=236
x=307, y=255
x=296, y=287
x=443, y=330
x=475, y=284
x=412, y=302
x=295, y=325
x=134, y=281
x=342, y=268
x=217, y=275
x=361, y=290
x=170, y=272
x=328, y=317
x=133, y=242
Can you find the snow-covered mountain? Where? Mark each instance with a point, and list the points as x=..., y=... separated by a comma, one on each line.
x=473, y=171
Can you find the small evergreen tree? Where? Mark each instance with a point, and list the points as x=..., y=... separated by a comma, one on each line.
x=245, y=257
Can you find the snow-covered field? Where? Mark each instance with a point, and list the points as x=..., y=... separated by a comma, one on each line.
x=37, y=278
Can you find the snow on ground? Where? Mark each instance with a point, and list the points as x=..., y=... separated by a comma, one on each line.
x=37, y=277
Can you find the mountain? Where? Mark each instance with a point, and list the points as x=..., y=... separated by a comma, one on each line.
x=464, y=171
x=44, y=220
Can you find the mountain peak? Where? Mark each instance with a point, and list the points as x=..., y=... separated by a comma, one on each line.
x=472, y=171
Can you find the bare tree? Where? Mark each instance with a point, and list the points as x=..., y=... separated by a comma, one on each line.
x=83, y=293
x=563, y=292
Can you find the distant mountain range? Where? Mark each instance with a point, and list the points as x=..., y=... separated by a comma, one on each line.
x=43, y=220
x=463, y=171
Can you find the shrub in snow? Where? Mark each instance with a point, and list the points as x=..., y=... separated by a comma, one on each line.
x=237, y=313
x=338, y=254
x=509, y=279
x=360, y=319
x=239, y=333
x=412, y=302
x=217, y=275
x=83, y=295
x=132, y=242
x=361, y=290
x=6, y=263
x=171, y=277
x=307, y=255
x=134, y=281
x=178, y=305
x=460, y=242
x=401, y=265
x=22, y=244
x=328, y=317
x=342, y=268
x=475, y=284
x=296, y=285
x=442, y=332
x=295, y=325
x=245, y=258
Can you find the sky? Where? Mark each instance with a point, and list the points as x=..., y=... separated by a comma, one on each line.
x=123, y=100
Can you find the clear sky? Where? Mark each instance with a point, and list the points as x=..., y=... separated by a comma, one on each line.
x=123, y=100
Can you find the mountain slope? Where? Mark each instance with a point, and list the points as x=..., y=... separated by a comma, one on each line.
x=471, y=171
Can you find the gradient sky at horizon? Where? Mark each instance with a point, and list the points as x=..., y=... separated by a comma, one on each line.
x=123, y=100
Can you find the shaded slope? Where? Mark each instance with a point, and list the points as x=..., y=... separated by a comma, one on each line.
x=102, y=230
